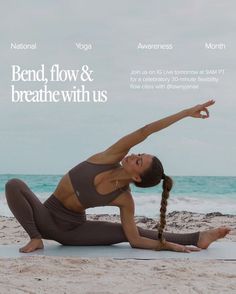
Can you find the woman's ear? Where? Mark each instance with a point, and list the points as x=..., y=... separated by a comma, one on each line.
x=137, y=179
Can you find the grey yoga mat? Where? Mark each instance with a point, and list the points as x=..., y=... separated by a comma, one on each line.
x=217, y=250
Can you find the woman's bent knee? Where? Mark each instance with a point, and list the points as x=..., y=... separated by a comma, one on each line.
x=12, y=184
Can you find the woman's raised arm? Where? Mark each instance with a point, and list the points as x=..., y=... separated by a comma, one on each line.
x=118, y=150
x=132, y=139
x=169, y=120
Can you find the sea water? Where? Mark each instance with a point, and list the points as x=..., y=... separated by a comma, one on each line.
x=203, y=194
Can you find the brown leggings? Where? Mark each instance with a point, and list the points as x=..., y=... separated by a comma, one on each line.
x=51, y=220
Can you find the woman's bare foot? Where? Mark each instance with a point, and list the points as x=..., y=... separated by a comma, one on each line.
x=33, y=245
x=209, y=236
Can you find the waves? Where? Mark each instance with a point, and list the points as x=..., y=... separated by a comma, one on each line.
x=195, y=194
x=149, y=204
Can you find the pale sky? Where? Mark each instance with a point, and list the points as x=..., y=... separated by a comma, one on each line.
x=44, y=138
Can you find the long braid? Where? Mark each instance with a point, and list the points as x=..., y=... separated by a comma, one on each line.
x=152, y=177
x=166, y=186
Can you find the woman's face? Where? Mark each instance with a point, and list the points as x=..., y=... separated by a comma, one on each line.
x=136, y=164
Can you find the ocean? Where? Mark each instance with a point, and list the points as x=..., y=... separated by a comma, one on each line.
x=203, y=194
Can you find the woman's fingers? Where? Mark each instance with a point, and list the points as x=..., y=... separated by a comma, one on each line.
x=193, y=248
x=185, y=249
x=203, y=107
x=204, y=115
x=207, y=112
x=181, y=248
x=196, y=110
x=188, y=249
x=208, y=103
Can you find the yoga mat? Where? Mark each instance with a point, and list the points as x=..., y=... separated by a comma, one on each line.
x=217, y=250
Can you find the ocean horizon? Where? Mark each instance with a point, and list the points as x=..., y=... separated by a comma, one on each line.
x=201, y=194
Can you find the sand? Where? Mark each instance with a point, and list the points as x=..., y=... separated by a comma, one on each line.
x=43, y=274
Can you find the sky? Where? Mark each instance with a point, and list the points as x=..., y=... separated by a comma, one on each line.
x=51, y=138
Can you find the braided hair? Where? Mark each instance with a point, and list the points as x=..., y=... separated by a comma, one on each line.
x=152, y=177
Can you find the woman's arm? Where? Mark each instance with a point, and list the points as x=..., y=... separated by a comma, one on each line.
x=169, y=120
x=163, y=123
x=118, y=150
x=122, y=146
x=146, y=243
x=140, y=135
x=127, y=210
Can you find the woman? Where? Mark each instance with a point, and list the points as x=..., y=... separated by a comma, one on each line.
x=101, y=180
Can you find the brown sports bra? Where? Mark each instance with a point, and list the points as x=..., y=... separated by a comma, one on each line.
x=82, y=179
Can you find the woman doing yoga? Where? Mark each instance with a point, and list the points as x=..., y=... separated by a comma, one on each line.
x=103, y=179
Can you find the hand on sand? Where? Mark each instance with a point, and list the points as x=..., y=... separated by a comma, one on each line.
x=209, y=236
x=196, y=110
x=33, y=245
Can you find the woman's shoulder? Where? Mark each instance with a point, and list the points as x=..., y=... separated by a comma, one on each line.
x=102, y=158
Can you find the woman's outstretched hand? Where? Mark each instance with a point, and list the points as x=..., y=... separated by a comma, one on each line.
x=196, y=110
x=179, y=248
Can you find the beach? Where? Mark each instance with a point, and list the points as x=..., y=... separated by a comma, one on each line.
x=45, y=274
x=99, y=96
